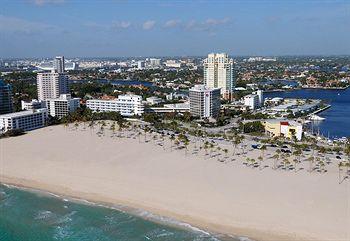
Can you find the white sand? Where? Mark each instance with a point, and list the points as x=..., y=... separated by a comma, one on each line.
x=228, y=198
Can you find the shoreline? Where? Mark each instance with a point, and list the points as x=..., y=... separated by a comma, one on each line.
x=137, y=212
x=172, y=219
x=222, y=198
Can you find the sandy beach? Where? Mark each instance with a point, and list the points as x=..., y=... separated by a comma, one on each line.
x=222, y=197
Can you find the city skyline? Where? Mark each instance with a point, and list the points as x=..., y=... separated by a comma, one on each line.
x=43, y=28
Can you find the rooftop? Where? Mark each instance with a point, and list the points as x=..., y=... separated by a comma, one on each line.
x=23, y=113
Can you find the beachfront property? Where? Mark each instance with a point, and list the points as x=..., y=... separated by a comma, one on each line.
x=25, y=120
x=62, y=106
x=6, y=105
x=32, y=105
x=51, y=85
x=170, y=108
x=285, y=128
x=218, y=73
x=204, y=101
x=292, y=106
x=126, y=105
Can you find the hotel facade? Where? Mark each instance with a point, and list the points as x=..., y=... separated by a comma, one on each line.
x=25, y=120
x=126, y=105
x=51, y=85
x=204, y=101
x=62, y=106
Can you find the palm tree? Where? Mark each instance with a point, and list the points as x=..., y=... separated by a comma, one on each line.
x=139, y=136
x=311, y=161
x=211, y=146
x=237, y=140
x=172, y=138
x=340, y=169
x=275, y=157
x=186, y=143
x=295, y=161
x=262, y=149
x=260, y=158
x=225, y=151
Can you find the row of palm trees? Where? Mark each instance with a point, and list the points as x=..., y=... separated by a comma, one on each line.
x=284, y=161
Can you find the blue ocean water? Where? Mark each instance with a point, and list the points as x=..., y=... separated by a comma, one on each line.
x=337, y=117
x=33, y=216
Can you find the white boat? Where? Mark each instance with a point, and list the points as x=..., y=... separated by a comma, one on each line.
x=316, y=118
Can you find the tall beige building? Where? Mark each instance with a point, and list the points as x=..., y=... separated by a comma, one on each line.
x=218, y=73
x=51, y=85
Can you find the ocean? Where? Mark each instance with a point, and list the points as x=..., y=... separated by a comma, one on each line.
x=337, y=120
x=35, y=216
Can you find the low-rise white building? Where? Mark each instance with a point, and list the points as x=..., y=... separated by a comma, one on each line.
x=126, y=105
x=62, y=106
x=252, y=101
x=25, y=120
x=32, y=105
x=154, y=100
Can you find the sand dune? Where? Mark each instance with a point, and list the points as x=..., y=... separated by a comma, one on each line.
x=228, y=198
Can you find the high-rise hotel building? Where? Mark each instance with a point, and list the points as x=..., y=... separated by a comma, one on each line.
x=53, y=84
x=5, y=98
x=218, y=73
x=204, y=101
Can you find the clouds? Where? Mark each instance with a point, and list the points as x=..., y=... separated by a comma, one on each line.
x=44, y=2
x=172, y=23
x=121, y=25
x=148, y=25
x=210, y=25
x=17, y=25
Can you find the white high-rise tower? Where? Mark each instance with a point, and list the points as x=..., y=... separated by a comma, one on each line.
x=51, y=85
x=59, y=64
x=218, y=73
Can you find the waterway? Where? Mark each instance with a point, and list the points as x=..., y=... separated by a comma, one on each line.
x=337, y=122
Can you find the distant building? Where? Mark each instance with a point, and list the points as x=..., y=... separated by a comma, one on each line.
x=170, y=108
x=126, y=105
x=153, y=100
x=154, y=62
x=173, y=64
x=251, y=101
x=285, y=128
x=62, y=106
x=218, y=73
x=140, y=64
x=25, y=120
x=32, y=105
x=6, y=105
x=59, y=64
x=51, y=85
x=260, y=95
x=254, y=100
x=204, y=101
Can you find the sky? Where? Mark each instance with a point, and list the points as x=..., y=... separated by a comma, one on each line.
x=117, y=28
